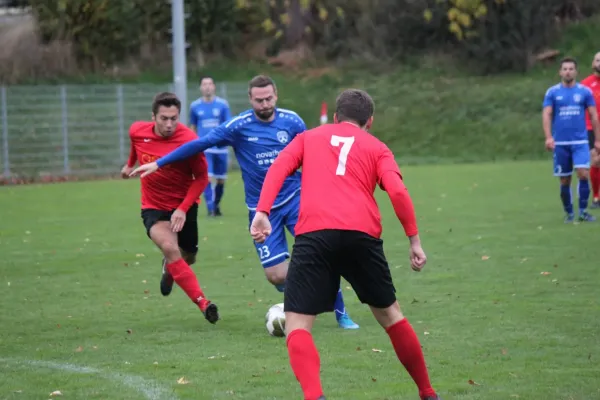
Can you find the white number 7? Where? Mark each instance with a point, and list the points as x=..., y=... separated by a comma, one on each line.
x=346, y=143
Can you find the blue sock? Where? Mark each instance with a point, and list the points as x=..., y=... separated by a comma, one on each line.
x=340, y=308
x=219, y=188
x=208, y=197
x=280, y=287
x=565, y=196
x=583, y=190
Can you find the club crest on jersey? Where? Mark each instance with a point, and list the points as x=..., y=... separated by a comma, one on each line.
x=283, y=136
x=577, y=98
x=216, y=112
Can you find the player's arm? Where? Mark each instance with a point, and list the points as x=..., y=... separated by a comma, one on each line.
x=593, y=112
x=200, y=170
x=193, y=120
x=220, y=136
x=390, y=180
x=286, y=163
x=126, y=170
x=547, y=112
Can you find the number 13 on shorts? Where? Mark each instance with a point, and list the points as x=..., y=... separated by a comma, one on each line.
x=346, y=143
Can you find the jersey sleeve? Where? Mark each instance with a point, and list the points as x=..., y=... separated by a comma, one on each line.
x=386, y=163
x=548, y=99
x=286, y=163
x=193, y=116
x=589, y=98
x=226, y=113
x=222, y=135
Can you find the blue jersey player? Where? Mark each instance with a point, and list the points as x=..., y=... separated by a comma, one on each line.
x=206, y=113
x=257, y=136
x=564, y=125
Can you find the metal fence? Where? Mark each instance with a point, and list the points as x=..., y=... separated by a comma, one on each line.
x=79, y=130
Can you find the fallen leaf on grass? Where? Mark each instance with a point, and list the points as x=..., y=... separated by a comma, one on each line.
x=472, y=382
x=374, y=379
x=182, y=381
x=358, y=349
x=146, y=291
x=504, y=351
x=545, y=273
x=425, y=333
x=79, y=349
x=129, y=331
x=377, y=351
x=56, y=393
x=485, y=258
x=140, y=255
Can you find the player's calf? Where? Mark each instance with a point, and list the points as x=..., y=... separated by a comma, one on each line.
x=276, y=275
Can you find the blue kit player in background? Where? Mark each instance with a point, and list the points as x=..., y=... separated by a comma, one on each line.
x=564, y=125
x=206, y=113
x=257, y=136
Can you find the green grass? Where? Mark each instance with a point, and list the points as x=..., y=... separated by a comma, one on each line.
x=78, y=272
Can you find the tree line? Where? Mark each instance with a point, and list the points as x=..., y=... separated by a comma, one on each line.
x=496, y=35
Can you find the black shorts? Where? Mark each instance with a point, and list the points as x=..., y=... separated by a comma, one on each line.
x=187, y=237
x=591, y=138
x=320, y=258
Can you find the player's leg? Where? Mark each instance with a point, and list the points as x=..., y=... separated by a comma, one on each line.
x=292, y=209
x=311, y=287
x=209, y=191
x=370, y=277
x=581, y=163
x=273, y=252
x=563, y=169
x=159, y=230
x=220, y=175
x=594, y=170
x=187, y=240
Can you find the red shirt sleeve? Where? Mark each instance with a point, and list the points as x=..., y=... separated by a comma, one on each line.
x=200, y=170
x=286, y=163
x=132, y=153
x=390, y=180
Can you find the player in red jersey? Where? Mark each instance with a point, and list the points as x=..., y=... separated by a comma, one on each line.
x=170, y=197
x=338, y=235
x=593, y=82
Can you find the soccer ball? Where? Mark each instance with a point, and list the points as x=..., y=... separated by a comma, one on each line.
x=275, y=320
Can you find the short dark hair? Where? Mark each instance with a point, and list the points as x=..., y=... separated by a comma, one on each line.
x=203, y=77
x=261, y=81
x=165, y=99
x=568, y=60
x=354, y=105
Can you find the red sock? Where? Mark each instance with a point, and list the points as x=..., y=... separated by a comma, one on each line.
x=185, y=277
x=305, y=362
x=595, y=179
x=408, y=349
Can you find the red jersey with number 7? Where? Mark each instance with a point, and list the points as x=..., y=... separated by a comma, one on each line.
x=178, y=185
x=341, y=167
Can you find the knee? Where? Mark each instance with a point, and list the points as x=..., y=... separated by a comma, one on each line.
x=170, y=250
x=582, y=173
x=276, y=274
x=220, y=181
x=565, y=180
x=388, y=316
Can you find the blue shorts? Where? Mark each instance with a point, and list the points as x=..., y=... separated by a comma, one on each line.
x=217, y=165
x=569, y=157
x=275, y=249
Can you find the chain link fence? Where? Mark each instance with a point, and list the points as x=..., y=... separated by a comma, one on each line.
x=80, y=130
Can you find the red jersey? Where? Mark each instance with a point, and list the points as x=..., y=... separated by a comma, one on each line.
x=593, y=82
x=341, y=167
x=177, y=185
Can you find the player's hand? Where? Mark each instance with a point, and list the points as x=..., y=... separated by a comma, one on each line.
x=550, y=144
x=260, y=227
x=126, y=171
x=417, y=257
x=177, y=220
x=145, y=169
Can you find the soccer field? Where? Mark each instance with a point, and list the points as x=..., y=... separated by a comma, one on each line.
x=507, y=307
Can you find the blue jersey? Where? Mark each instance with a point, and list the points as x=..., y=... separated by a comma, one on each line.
x=256, y=145
x=569, y=105
x=206, y=116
